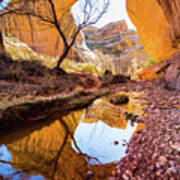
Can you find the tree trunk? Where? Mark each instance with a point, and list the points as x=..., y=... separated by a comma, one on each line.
x=57, y=68
x=2, y=48
x=67, y=48
x=61, y=58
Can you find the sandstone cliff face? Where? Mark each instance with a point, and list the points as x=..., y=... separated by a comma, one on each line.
x=113, y=47
x=158, y=24
x=109, y=29
x=171, y=10
x=153, y=27
x=113, y=38
x=40, y=36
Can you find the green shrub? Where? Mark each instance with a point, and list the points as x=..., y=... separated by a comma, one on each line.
x=148, y=62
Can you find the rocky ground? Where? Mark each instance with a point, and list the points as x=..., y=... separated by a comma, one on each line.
x=153, y=153
x=31, y=92
x=27, y=80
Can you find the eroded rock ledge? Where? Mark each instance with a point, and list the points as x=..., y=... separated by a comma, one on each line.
x=46, y=108
x=168, y=70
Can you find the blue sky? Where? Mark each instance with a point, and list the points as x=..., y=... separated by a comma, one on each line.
x=5, y=2
x=116, y=11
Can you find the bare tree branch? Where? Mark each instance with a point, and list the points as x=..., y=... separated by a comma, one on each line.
x=19, y=11
x=56, y=23
x=91, y=11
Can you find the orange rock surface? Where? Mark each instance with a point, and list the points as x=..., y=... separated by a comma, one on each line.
x=40, y=36
x=107, y=30
x=153, y=28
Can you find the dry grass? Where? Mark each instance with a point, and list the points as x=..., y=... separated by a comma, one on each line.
x=25, y=80
x=19, y=51
x=148, y=62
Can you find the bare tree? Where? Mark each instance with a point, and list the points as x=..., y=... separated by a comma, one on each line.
x=89, y=13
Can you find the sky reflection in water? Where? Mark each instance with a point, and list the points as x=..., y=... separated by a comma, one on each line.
x=8, y=172
x=100, y=141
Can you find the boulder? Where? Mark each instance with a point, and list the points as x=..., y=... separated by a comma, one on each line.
x=153, y=72
x=107, y=77
x=172, y=74
x=168, y=70
x=117, y=100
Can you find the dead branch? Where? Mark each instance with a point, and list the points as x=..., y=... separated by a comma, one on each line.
x=91, y=11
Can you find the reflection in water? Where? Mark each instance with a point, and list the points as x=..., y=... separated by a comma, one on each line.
x=45, y=151
x=103, y=131
x=102, y=141
x=8, y=172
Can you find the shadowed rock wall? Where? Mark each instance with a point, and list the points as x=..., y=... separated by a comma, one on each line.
x=171, y=9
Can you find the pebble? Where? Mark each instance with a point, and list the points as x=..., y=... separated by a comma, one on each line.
x=125, y=177
x=158, y=142
x=129, y=173
x=102, y=175
x=112, y=178
x=171, y=170
x=172, y=178
x=118, y=171
x=176, y=146
x=89, y=174
x=158, y=173
x=163, y=159
x=116, y=142
x=114, y=173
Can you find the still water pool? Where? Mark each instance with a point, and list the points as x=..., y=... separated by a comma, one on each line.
x=95, y=137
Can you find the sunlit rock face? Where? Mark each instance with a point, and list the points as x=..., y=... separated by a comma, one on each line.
x=113, y=47
x=157, y=25
x=40, y=36
x=109, y=29
x=113, y=38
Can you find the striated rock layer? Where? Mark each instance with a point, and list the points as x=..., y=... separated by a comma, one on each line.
x=171, y=10
x=40, y=36
x=109, y=29
x=154, y=23
x=113, y=47
x=113, y=38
